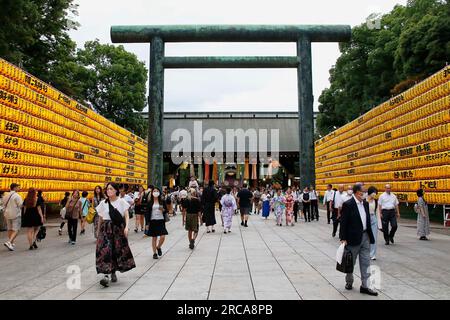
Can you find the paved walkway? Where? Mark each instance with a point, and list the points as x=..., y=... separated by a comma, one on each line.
x=263, y=261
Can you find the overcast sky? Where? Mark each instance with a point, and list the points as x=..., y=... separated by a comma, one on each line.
x=226, y=89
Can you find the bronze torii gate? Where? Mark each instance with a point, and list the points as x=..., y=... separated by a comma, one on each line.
x=303, y=35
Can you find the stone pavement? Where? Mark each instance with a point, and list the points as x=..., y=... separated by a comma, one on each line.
x=263, y=261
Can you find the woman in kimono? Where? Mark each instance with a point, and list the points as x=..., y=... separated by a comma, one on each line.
x=423, y=218
x=228, y=203
x=278, y=203
x=289, y=207
x=265, y=204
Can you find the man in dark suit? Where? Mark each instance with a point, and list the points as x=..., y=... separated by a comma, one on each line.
x=356, y=234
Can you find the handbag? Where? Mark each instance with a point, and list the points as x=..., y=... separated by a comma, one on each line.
x=115, y=215
x=41, y=234
x=346, y=265
x=91, y=215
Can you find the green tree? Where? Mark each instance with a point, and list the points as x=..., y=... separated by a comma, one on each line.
x=34, y=35
x=412, y=44
x=114, y=83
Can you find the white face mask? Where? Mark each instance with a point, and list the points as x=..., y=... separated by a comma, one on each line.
x=156, y=194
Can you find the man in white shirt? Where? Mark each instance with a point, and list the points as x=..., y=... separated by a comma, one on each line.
x=314, y=196
x=327, y=198
x=389, y=212
x=337, y=202
x=13, y=214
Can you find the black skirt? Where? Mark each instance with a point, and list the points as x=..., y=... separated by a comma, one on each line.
x=156, y=228
x=31, y=218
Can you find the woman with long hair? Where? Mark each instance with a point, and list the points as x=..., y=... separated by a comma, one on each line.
x=33, y=217
x=138, y=210
x=113, y=252
x=98, y=197
x=73, y=213
x=155, y=221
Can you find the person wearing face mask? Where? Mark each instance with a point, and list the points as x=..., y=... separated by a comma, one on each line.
x=356, y=234
x=348, y=195
x=374, y=219
x=113, y=252
x=156, y=221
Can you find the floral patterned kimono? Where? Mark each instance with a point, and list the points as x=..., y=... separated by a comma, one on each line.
x=289, y=208
x=228, y=207
x=279, y=205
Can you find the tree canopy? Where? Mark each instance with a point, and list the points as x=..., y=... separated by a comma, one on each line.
x=34, y=36
x=412, y=43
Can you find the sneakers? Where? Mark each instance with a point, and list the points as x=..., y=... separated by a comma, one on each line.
x=136, y=230
x=105, y=281
x=9, y=246
x=159, y=251
x=72, y=243
x=373, y=258
x=225, y=231
x=423, y=238
x=60, y=232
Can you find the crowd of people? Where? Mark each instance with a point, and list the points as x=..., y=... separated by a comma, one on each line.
x=110, y=210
